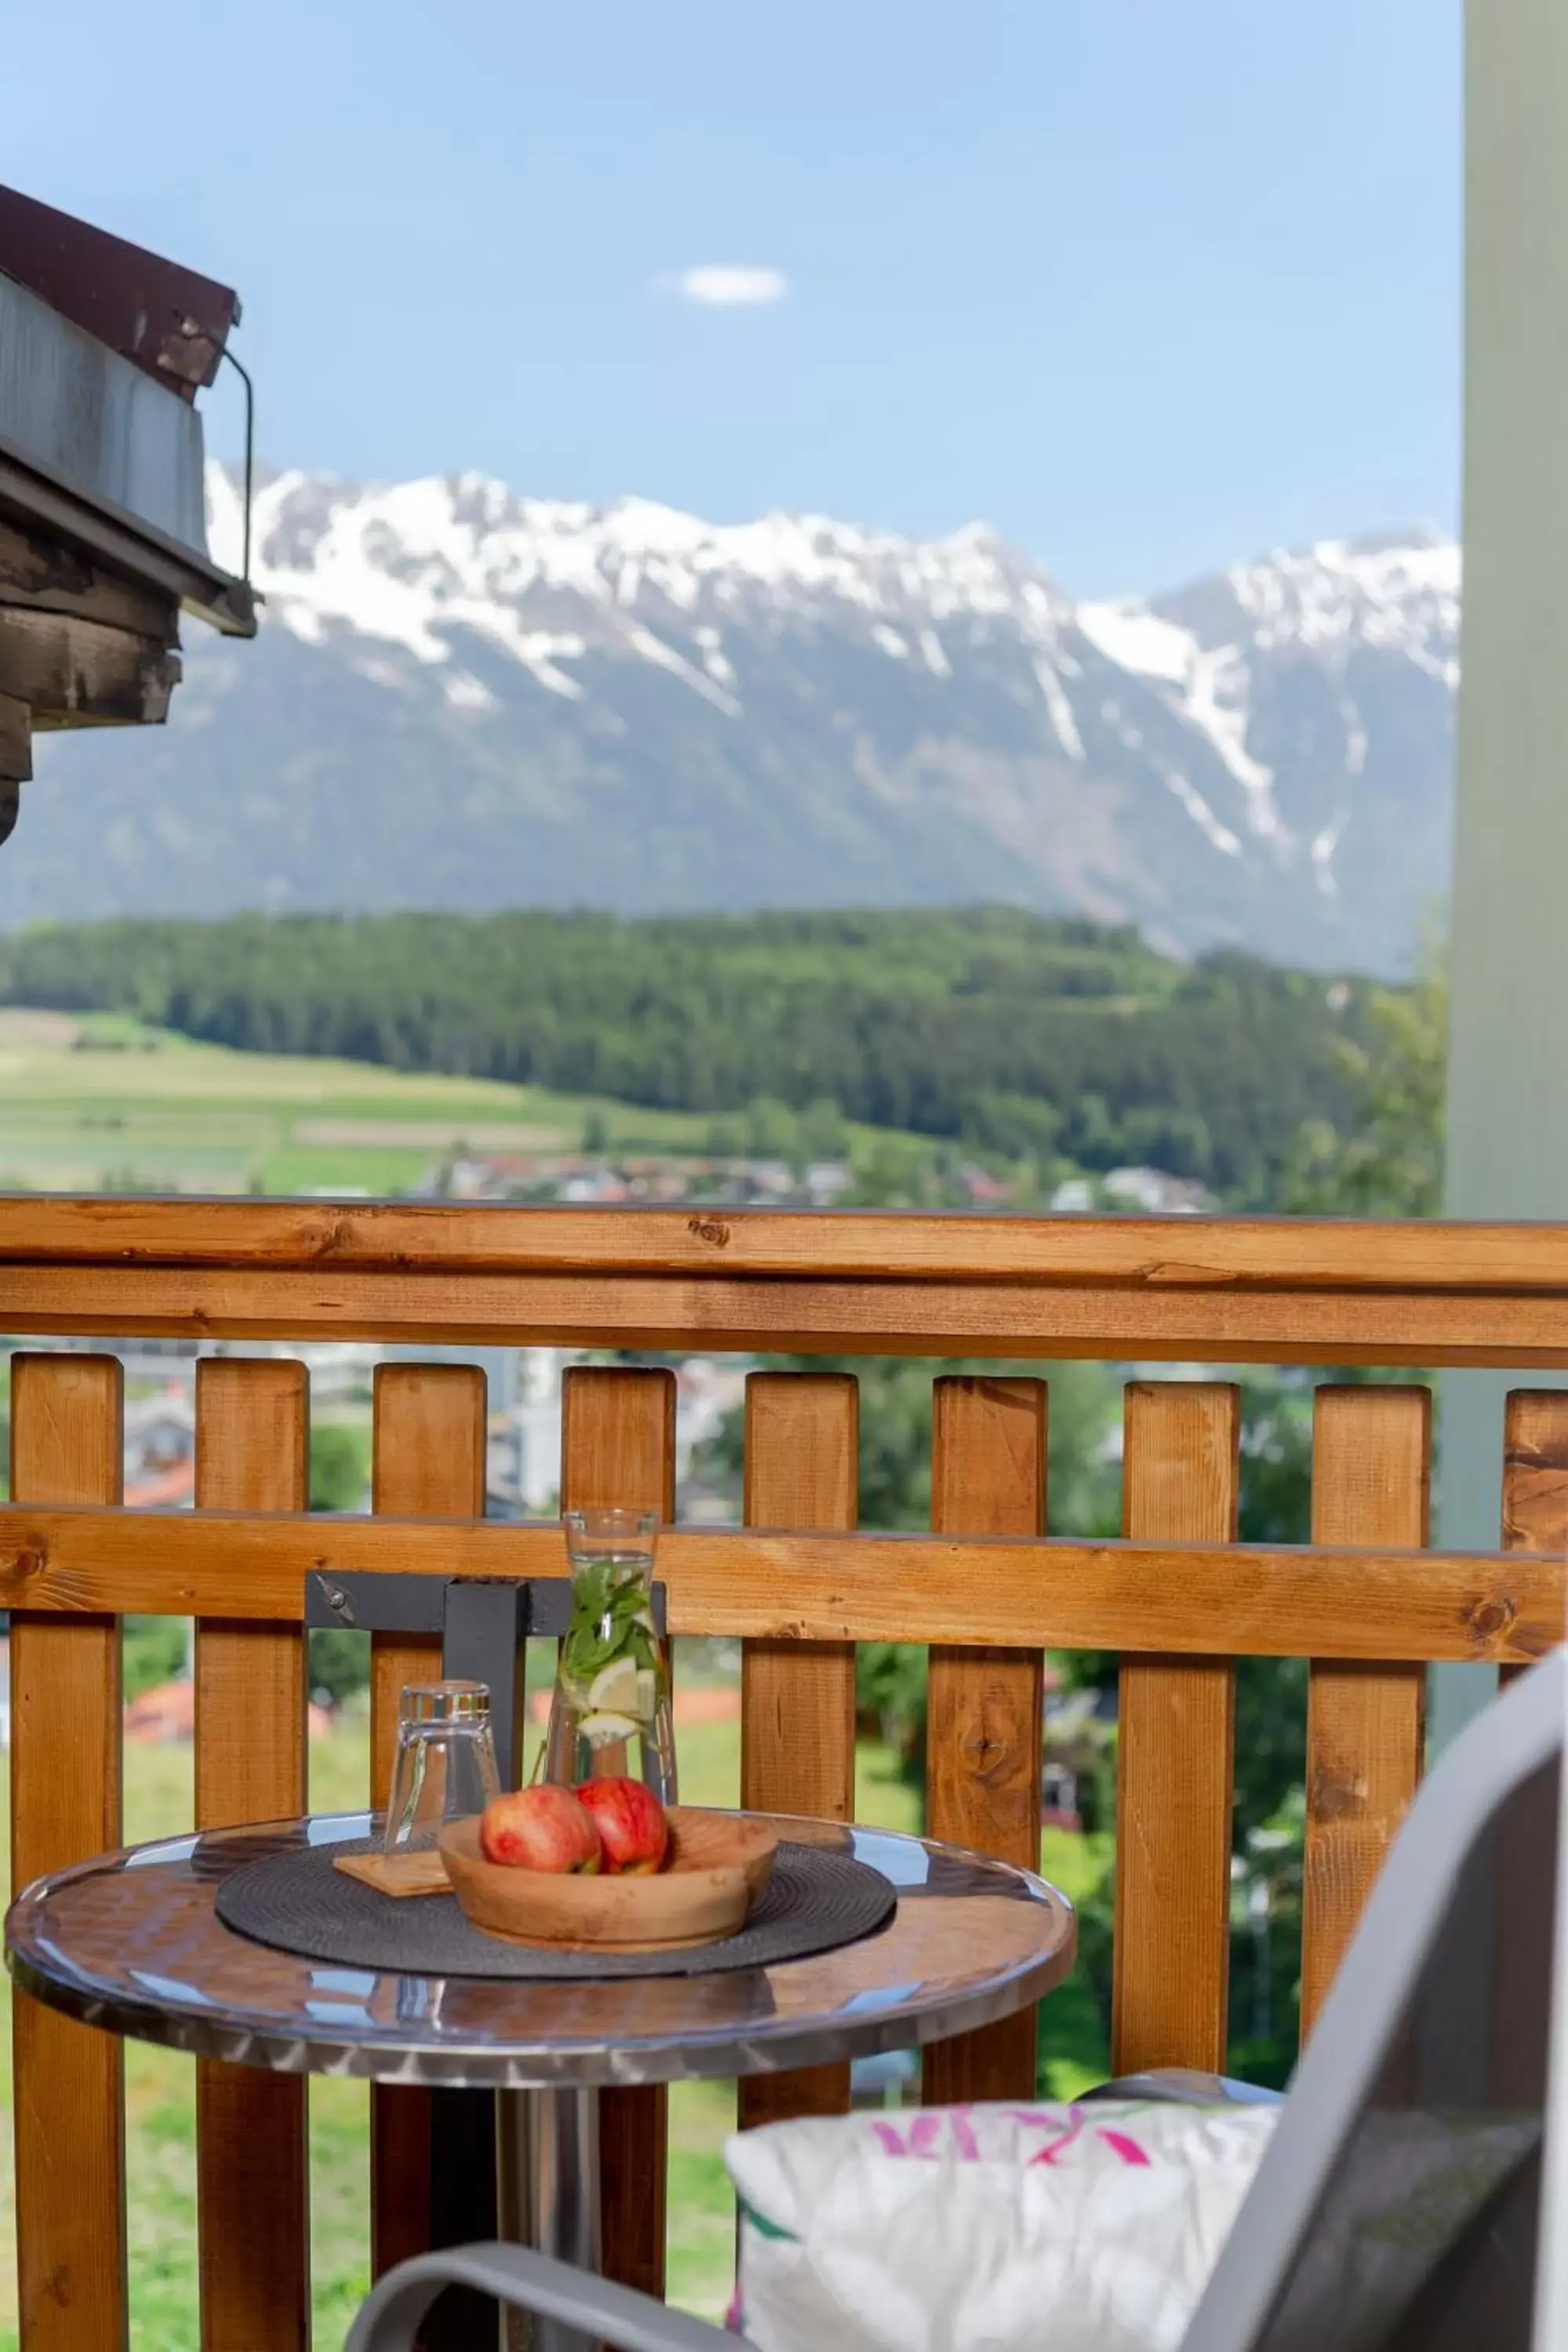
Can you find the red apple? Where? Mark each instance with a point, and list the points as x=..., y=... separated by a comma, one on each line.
x=542, y=1827
x=631, y=1822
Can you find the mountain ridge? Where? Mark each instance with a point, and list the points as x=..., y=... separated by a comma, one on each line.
x=466, y=698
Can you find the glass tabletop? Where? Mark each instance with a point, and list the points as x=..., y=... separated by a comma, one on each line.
x=131, y=1942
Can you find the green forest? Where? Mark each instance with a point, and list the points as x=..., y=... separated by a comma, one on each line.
x=1011, y=1033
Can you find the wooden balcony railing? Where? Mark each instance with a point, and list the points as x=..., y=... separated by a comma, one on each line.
x=1369, y=1604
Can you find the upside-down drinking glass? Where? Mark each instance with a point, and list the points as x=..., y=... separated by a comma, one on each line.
x=445, y=1767
x=611, y=1711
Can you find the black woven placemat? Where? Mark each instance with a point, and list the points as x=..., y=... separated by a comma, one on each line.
x=814, y=1900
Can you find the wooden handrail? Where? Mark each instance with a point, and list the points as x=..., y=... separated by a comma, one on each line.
x=1038, y=1592
x=1181, y=1289
x=764, y=1315
x=1269, y=1254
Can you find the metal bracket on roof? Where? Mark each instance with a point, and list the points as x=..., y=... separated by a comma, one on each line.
x=243, y=373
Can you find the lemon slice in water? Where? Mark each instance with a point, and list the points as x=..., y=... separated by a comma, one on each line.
x=614, y=1689
x=600, y=1729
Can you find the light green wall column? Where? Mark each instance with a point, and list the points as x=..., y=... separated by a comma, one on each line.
x=1508, y=1077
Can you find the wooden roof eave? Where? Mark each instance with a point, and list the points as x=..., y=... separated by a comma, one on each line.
x=125, y=544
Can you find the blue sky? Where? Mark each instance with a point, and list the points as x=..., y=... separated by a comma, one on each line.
x=1150, y=285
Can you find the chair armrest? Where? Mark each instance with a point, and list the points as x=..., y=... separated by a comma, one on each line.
x=390, y=2318
x=1187, y=2086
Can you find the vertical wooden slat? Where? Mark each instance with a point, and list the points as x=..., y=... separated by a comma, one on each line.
x=983, y=1743
x=428, y=1463
x=1535, y=1476
x=1372, y=1459
x=67, y=1447
x=251, y=2140
x=617, y=1445
x=1175, y=1750
x=797, y=1698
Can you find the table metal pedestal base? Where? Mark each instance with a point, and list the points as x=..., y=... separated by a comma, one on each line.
x=547, y=2170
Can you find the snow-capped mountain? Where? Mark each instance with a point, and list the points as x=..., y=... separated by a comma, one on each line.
x=464, y=698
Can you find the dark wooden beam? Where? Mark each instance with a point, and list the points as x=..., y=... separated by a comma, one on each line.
x=80, y=673
x=44, y=573
x=15, y=742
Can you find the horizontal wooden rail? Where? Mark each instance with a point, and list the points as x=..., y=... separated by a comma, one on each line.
x=1261, y=1600
x=1268, y=1253
x=796, y=1315
x=1138, y=1288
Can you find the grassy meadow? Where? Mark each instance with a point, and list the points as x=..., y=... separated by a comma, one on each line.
x=159, y=2085
x=101, y=1101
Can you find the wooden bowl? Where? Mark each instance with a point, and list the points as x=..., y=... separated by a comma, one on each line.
x=717, y=1864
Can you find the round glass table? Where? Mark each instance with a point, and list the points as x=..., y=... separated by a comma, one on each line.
x=131, y=1942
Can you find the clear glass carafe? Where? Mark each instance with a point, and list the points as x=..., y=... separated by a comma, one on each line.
x=611, y=1712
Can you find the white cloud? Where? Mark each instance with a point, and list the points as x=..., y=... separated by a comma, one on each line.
x=724, y=286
